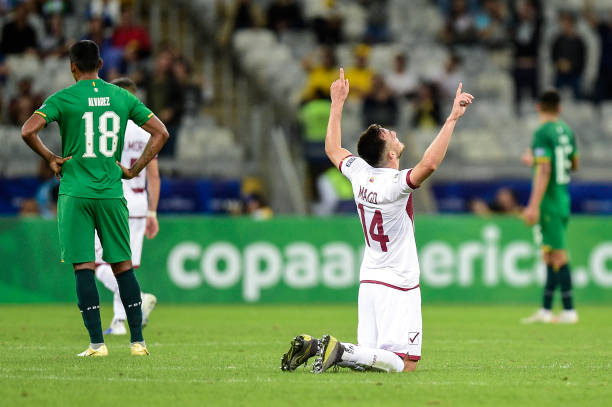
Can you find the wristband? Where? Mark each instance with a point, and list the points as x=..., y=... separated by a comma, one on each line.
x=151, y=214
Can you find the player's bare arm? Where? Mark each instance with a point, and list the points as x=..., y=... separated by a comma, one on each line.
x=527, y=158
x=159, y=136
x=153, y=188
x=29, y=133
x=436, y=151
x=531, y=213
x=333, y=138
x=575, y=163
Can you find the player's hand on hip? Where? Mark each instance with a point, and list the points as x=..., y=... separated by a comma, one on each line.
x=56, y=163
x=152, y=227
x=339, y=88
x=127, y=172
x=531, y=215
x=462, y=101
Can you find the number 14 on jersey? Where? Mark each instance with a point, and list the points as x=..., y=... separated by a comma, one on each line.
x=376, y=230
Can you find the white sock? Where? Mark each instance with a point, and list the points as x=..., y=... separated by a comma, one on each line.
x=104, y=273
x=118, y=309
x=379, y=359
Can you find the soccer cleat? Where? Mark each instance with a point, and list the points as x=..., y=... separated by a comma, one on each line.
x=567, y=317
x=138, y=349
x=148, y=303
x=117, y=327
x=101, y=351
x=301, y=349
x=330, y=353
x=541, y=316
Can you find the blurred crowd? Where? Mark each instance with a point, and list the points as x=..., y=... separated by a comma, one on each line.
x=37, y=31
x=517, y=28
x=505, y=202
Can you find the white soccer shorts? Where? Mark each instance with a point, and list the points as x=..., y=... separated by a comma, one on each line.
x=390, y=319
x=137, y=232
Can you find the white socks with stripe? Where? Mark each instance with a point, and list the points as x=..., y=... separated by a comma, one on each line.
x=378, y=359
x=104, y=273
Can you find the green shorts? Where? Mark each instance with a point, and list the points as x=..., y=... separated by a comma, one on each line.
x=554, y=231
x=78, y=218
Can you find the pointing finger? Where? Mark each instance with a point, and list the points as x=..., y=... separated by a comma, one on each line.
x=459, y=88
x=342, y=73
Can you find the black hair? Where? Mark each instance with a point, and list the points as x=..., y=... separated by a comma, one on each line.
x=371, y=146
x=85, y=55
x=568, y=14
x=125, y=83
x=550, y=101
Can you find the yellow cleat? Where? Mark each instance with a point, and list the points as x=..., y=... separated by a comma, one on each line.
x=329, y=354
x=101, y=351
x=139, y=350
x=302, y=348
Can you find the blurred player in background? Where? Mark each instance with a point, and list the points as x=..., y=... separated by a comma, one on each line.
x=142, y=195
x=92, y=116
x=553, y=155
x=389, y=332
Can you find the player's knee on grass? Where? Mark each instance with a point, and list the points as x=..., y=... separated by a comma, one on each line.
x=121, y=267
x=410, y=365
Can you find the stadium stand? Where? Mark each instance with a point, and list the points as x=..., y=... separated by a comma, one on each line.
x=238, y=78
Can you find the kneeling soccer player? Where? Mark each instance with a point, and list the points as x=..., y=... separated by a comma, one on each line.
x=389, y=332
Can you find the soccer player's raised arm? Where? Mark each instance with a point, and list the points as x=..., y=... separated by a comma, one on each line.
x=29, y=134
x=436, y=151
x=333, y=139
x=159, y=136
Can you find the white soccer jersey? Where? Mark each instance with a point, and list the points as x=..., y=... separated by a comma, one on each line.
x=384, y=205
x=134, y=189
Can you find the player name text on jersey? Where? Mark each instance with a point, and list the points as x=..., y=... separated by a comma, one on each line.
x=370, y=197
x=138, y=145
x=99, y=101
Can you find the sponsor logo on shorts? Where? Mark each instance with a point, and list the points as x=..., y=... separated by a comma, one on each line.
x=414, y=338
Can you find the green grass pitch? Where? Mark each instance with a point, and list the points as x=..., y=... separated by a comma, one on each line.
x=229, y=356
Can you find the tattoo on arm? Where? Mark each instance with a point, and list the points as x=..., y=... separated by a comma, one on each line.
x=143, y=160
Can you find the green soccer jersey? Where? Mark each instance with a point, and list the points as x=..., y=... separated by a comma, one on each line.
x=554, y=142
x=92, y=116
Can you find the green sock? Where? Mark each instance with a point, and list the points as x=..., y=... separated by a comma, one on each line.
x=89, y=304
x=566, y=287
x=129, y=291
